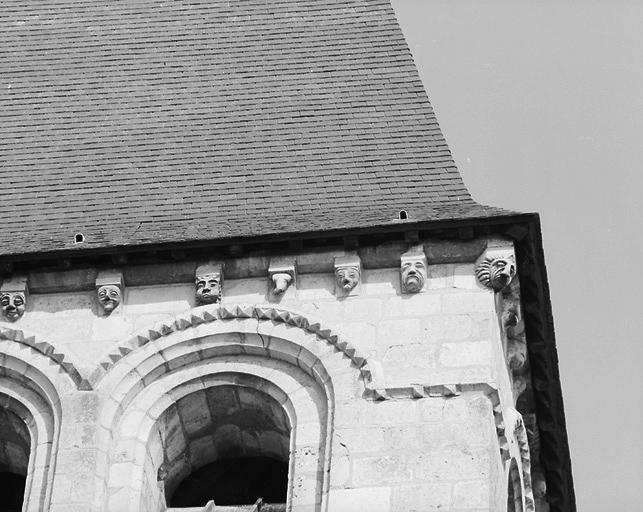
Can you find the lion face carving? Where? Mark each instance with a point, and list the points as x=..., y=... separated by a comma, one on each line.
x=496, y=273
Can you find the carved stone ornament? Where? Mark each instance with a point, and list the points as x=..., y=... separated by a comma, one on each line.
x=496, y=267
x=413, y=271
x=348, y=272
x=282, y=274
x=13, y=298
x=109, y=290
x=209, y=283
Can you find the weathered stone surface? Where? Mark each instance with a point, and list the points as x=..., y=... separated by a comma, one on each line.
x=412, y=424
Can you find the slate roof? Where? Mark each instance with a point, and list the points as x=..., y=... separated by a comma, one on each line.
x=149, y=121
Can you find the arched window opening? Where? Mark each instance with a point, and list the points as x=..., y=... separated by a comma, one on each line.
x=514, y=489
x=15, y=447
x=262, y=477
x=227, y=443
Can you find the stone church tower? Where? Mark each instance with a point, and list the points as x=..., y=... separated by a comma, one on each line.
x=240, y=271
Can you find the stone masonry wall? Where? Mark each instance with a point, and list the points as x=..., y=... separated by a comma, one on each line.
x=428, y=441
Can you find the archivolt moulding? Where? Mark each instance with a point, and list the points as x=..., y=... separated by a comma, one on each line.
x=28, y=391
x=370, y=371
x=47, y=350
x=510, y=427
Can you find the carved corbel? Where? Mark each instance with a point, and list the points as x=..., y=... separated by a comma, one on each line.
x=109, y=290
x=496, y=266
x=514, y=328
x=13, y=298
x=348, y=273
x=413, y=270
x=282, y=273
x=519, y=386
x=209, y=283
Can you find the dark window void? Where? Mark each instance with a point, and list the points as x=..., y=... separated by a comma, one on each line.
x=234, y=482
x=14, y=459
x=227, y=443
x=12, y=491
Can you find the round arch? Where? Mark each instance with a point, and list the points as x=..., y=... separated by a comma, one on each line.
x=307, y=368
x=28, y=391
x=514, y=488
x=518, y=459
x=134, y=463
x=32, y=343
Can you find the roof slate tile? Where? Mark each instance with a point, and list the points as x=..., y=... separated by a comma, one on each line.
x=152, y=122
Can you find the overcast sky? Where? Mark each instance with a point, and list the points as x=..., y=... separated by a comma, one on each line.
x=541, y=103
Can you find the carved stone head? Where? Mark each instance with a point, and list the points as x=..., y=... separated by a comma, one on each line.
x=109, y=290
x=496, y=272
x=348, y=272
x=282, y=273
x=109, y=297
x=13, y=297
x=413, y=272
x=347, y=277
x=209, y=284
x=280, y=281
x=13, y=305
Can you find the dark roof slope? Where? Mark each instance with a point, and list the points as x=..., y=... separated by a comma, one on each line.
x=149, y=121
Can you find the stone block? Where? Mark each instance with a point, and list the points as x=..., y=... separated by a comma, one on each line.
x=396, y=332
x=381, y=282
x=438, y=276
x=372, y=499
x=421, y=498
x=83, y=407
x=464, y=277
x=456, y=461
x=381, y=470
x=194, y=412
x=61, y=489
x=449, y=327
x=362, y=310
x=360, y=334
x=340, y=473
x=471, y=495
x=201, y=451
x=469, y=303
x=440, y=251
x=465, y=353
x=158, y=299
x=409, y=363
x=305, y=490
x=412, y=305
x=62, y=281
x=245, y=291
x=316, y=286
x=327, y=309
x=112, y=328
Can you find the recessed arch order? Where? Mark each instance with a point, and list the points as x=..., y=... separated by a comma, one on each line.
x=30, y=389
x=295, y=361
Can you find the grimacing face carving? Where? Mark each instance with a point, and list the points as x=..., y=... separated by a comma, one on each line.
x=13, y=305
x=413, y=275
x=347, y=277
x=208, y=288
x=109, y=297
x=496, y=273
